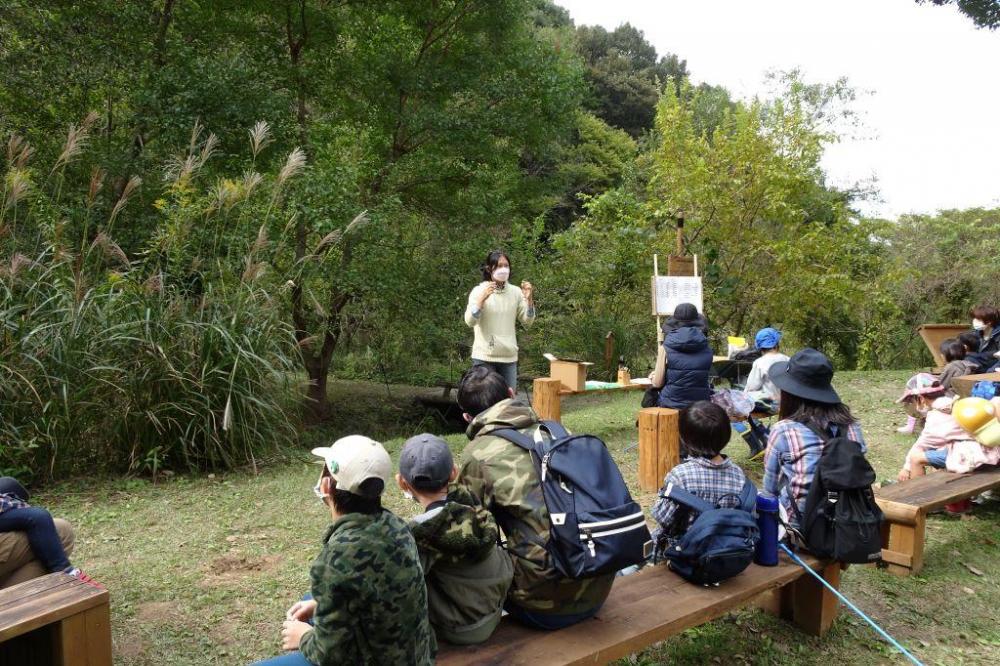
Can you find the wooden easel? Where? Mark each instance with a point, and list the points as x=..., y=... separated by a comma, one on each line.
x=659, y=437
x=678, y=265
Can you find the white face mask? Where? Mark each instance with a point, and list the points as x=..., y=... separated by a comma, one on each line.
x=318, y=489
x=978, y=324
x=501, y=274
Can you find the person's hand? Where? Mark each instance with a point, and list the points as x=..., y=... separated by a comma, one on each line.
x=292, y=632
x=486, y=294
x=527, y=290
x=302, y=610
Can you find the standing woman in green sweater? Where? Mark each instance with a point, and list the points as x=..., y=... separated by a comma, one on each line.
x=494, y=307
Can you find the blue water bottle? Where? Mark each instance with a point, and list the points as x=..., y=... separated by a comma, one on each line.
x=767, y=521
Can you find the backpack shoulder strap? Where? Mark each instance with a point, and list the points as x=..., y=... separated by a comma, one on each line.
x=824, y=436
x=555, y=429
x=685, y=498
x=748, y=496
x=515, y=437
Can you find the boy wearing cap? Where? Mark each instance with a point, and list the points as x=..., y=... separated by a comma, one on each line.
x=759, y=384
x=466, y=571
x=369, y=602
x=502, y=477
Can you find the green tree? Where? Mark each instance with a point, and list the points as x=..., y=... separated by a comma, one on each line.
x=984, y=13
x=777, y=246
x=625, y=75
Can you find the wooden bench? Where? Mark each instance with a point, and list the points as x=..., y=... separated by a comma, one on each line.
x=906, y=505
x=963, y=385
x=547, y=394
x=654, y=604
x=55, y=619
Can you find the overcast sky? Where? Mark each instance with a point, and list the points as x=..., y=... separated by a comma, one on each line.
x=931, y=135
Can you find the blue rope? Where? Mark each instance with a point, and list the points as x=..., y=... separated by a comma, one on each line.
x=854, y=608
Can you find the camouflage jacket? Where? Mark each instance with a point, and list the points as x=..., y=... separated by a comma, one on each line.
x=370, y=594
x=467, y=572
x=503, y=477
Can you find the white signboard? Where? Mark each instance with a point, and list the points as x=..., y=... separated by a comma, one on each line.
x=669, y=292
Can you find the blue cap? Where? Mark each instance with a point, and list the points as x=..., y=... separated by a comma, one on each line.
x=767, y=338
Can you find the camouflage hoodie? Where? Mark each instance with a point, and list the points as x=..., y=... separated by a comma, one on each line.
x=503, y=477
x=467, y=572
x=370, y=594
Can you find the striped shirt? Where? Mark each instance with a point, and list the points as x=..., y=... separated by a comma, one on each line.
x=719, y=484
x=793, y=451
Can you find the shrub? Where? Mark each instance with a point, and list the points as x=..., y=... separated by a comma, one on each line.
x=128, y=376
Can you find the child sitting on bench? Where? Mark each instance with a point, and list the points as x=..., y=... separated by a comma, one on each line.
x=704, y=431
x=44, y=538
x=921, y=390
x=467, y=572
x=944, y=444
x=368, y=601
x=954, y=353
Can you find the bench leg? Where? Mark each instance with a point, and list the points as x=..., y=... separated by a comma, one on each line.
x=545, y=399
x=84, y=639
x=903, y=546
x=808, y=604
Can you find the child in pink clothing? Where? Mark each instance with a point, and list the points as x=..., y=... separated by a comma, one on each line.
x=947, y=445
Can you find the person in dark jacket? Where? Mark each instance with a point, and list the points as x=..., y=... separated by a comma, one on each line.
x=986, y=323
x=684, y=361
x=467, y=572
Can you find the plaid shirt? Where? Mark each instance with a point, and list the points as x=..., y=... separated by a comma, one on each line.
x=8, y=502
x=793, y=451
x=717, y=483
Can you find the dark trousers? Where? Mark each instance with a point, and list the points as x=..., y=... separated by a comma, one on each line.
x=38, y=526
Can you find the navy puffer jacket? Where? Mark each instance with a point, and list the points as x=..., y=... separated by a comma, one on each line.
x=689, y=361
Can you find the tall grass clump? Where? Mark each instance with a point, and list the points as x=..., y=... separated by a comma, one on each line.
x=172, y=356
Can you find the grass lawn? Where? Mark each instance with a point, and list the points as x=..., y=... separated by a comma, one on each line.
x=202, y=569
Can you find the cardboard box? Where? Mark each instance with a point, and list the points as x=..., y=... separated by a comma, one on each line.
x=572, y=373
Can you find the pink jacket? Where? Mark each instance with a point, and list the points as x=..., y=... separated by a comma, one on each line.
x=942, y=431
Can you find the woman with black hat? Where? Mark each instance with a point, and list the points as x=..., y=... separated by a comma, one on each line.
x=808, y=404
x=684, y=361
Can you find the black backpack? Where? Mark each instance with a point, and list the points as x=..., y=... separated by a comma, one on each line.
x=596, y=527
x=720, y=543
x=841, y=519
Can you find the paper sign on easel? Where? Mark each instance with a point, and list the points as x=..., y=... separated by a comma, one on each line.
x=670, y=291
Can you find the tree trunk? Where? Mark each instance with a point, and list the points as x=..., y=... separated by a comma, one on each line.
x=317, y=403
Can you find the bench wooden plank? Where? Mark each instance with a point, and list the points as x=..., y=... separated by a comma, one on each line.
x=610, y=389
x=643, y=609
x=932, y=491
x=905, y=506
x=14, y=595
x=963, y=385
x=40, y=607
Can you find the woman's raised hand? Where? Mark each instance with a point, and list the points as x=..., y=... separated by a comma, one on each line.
x=490, y=288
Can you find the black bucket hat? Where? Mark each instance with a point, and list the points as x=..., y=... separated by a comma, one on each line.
x=685, y=314
x=808, y=374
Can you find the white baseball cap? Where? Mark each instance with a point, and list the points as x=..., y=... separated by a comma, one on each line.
x=354, y=459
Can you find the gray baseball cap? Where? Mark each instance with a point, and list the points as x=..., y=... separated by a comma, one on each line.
x=426, y=462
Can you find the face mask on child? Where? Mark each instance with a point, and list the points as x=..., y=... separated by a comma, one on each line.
x=318, y=488
x=978, y=324
x=501, y=274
